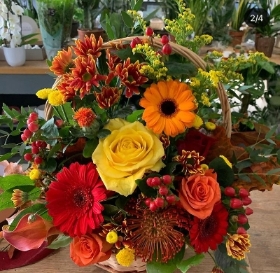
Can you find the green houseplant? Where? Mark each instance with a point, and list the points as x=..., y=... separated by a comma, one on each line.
x=237, y=21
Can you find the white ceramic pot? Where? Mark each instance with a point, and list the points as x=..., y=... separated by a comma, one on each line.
x=15, y=56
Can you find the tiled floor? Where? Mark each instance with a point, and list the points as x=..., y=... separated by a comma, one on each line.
x=265, y=239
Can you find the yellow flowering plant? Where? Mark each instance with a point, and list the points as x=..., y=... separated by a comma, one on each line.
x=133, y=166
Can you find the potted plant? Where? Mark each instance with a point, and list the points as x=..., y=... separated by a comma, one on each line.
x=266, y=33
x=11, y=33
x=238, y=17
x=91, y=10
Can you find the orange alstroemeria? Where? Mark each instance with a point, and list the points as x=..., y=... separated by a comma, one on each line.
x=30, y=232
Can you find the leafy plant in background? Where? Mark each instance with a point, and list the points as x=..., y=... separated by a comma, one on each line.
x=238, y=16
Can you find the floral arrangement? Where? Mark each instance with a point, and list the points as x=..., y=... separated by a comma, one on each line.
x=10, y=24
x=133, y=162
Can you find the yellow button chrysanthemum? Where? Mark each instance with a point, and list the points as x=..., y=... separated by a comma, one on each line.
x=197, y=122
x=112, y=237
x=210, y=126
x=44, y=93
x=125, y=256
x=226, y=160
x=55, y=98
x=34, y=174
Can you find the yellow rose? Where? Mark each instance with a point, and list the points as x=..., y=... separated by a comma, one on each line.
x=126, y=154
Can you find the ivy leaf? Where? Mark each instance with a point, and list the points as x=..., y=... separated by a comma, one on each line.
x=50, y=131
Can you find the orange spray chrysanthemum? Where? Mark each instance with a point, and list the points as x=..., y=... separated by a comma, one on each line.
x=90, y=46
x=108, y=96
x=85, y=117
x=237, y=245
x=65, y=88
x=169, y=107
x=62, y=62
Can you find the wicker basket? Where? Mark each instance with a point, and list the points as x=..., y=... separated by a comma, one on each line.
x=188, y=54
x=111, y=264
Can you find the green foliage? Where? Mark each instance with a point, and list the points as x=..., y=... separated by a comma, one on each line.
x=61, y=241
x=238, y=15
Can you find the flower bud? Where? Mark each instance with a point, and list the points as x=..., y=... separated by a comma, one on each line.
x=241, y=230
x=229, y=191
x=246, y=201
x=243, y=193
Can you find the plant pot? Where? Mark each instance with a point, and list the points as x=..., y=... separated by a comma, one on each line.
x=237, y=37
x=74, y=29
x=55, y=20
x=265, y=45
x=15, y=56
x=83, y=32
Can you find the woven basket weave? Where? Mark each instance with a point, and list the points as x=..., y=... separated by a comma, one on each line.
x=184, y=52
x=111, y=264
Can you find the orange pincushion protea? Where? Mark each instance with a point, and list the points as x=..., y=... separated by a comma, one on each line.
x=169, y=107
x=85, y=117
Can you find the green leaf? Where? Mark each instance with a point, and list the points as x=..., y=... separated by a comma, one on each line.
x=185, y=68
x=243, y=164
x=134, y=116
x=6, y=156
x=127, y=19
x=109, y=30
x=274, y=100
x=103, y=133
x=6, y=201
x=90, y=146
x=50, y=131
x=225, y=173
x=138, y=5
x=185, y=265
x=10, y=181
x=49, y=165
x=110, y=210
x=271, y=132
x=155, y=267
x=123, y=112
x=145, y=189
x=61, y=241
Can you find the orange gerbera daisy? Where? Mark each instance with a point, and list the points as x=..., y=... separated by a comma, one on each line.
x=62, y=62
x=169, y=107
x=85, y=117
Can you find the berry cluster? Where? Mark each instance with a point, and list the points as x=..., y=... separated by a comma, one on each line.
x=164, y=195
x=238, y=199
x=38, y=146
x=166, y=47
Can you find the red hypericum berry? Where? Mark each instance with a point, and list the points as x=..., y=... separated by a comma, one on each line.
x=246, y=201
x=23, y=137
x=163, y=190
x=59, y=123
x=155, y=181
x=242, y=219
x=27, y=133
x=167, y=179
x=35, y=150
x=241, y=230
x=28, y=157
x=149, y=31
x=149, y=181
x=41, y=143
x=148, y=201
x=248, y=211
x=135, y=42
x=170, y=199
x=229, y=191
x=167, y=49
x=153, y=206
x=33, y=126
x=243, y=193
x=235, y=203
x=159, y=202
x=164, y=39
x=38, y=160
x=33, y=116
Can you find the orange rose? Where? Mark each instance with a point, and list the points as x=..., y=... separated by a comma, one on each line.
x=199, y=193
x=89, y=249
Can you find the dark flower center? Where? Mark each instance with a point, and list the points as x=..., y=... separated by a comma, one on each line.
x=168, y=107
x=208, y=227
x=80, y=198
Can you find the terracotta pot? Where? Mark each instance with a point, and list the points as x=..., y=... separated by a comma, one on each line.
x=237, y=37
x=265, y=45
x=97, y=33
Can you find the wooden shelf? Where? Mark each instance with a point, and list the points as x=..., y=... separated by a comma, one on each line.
x=30, y=67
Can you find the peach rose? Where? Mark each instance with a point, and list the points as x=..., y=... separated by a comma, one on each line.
x=89, y=249
x=199, y=193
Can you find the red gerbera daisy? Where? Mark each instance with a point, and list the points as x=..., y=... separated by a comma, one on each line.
x=208, y=233
x=73, y=200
